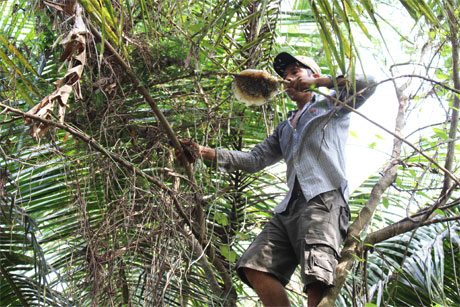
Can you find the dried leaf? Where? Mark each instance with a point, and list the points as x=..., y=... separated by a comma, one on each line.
x=66, y=137
x=68, y=51
x=67, y=7
x=75, y=42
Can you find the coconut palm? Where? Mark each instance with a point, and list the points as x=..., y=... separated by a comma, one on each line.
x=96, y=209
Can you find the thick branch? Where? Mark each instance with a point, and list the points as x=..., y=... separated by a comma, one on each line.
x=352, y=245
x=456, y=78
x=156, y=110
x=199, y=215
x=407, y=224
x=199, y=229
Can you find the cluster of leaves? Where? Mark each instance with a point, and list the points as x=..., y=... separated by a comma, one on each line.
x=79, y=227
x=99, y=233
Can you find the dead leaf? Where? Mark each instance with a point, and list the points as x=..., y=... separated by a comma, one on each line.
x=3, y=179
x=68, y=7
x=75, y=53
x=66, y=137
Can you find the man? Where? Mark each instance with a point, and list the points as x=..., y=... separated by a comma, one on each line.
x=311, y=223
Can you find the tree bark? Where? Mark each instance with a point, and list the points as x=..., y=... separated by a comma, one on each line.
x=456, y=104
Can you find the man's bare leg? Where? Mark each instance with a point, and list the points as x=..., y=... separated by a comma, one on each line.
x=315, y=293
x=270, y=291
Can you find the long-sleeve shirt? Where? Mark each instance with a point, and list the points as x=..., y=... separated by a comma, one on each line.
x=314, y=149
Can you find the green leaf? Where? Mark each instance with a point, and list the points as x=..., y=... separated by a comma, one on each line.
x=228, y=255
x=399, y=181
x=17, y=55
x=451, y=103
x=442, y=75
x=441, y=133
x=356, y=19
x=358, y=258
x=439, y=211
x=221, y=218
x=15, y=70
x=385, y=202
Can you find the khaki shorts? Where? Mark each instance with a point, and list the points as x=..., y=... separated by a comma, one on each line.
x=306, y=233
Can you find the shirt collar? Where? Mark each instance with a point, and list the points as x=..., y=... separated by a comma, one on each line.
x=292, y=113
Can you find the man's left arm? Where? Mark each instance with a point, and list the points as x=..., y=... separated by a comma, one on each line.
x=353, y=92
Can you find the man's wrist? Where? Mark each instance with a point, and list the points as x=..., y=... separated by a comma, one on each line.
x=340, y=80
x=324, y=82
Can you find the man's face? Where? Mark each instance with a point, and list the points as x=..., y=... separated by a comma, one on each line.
x=294, y=71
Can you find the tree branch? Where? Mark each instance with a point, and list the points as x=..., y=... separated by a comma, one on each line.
x=442, y=220
x=92, y=143
x=156, y=110
x=352, y=245
x=200, y=227
x=455, y=90
x=407, y=224
x=456, y=105
x=210, y=251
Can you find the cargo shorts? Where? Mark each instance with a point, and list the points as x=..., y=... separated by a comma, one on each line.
x=307, y=233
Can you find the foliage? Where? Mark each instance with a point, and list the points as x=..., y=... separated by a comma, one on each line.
x=99, y=212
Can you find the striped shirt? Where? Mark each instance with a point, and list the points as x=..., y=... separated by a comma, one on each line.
x=314, y=150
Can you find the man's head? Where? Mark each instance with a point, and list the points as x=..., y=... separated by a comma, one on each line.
x=284, y=59
x=297, y=69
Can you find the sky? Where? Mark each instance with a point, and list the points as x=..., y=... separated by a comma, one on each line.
x=383, y=105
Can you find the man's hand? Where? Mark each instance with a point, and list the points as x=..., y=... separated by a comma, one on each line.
x=303, y=83
x=193, y=151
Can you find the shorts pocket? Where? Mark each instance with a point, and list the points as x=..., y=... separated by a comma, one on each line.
x=319, y=266
x=323, y=262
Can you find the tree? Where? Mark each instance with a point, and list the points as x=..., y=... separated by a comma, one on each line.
x=95, y=209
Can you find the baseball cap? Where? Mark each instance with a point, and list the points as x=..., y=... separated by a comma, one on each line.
x=283, y=59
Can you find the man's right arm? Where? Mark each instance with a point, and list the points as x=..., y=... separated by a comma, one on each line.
x=261, y=156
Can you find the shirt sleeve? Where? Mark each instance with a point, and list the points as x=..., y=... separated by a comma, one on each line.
x=360, y=91
x=261, y=156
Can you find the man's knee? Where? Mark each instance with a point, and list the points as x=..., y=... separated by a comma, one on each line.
x=254, y=276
